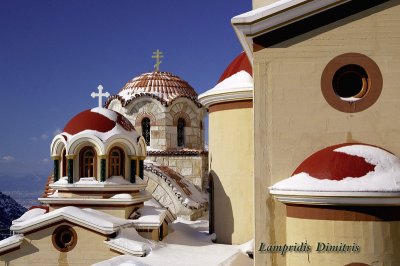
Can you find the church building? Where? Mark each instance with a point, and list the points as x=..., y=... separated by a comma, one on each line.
x=326, y=137
x=113, y=185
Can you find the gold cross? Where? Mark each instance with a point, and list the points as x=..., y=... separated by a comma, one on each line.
x=157, y=55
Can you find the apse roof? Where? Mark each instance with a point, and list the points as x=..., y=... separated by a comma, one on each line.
x=345, y=170
x=101, y=122
x=235, y=84
x=163, y=86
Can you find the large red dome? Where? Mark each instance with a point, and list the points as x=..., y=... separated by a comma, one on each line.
x=98, y=119
x=241, y=62
x=330, y=164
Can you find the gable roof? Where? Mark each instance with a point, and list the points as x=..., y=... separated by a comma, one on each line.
x=296, y=16
x=88, y=218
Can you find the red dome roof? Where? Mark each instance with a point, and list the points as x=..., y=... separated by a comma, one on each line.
x=333, y=165
x=241, y=62
x=162, y=84
x=98, y=119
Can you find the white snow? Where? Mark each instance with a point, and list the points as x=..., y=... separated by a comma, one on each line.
x=29, y=215
x=239, y=80
x=87, y=181
x=10, y=242
x=150, y=216
x=62, y=181
x=105, y=112
x=122, y=196
x=130, y=241
x=264, y=11
x=384, y=178
x=103, y=136
x=87, y=217
x=186, y=244
x=117, y=180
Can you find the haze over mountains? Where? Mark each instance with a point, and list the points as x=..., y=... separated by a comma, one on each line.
x=25, y=189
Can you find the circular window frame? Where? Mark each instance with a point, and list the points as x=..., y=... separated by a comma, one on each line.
x=374, y=83
x=57, y=235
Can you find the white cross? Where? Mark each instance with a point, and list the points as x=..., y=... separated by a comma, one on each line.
x=100, y=95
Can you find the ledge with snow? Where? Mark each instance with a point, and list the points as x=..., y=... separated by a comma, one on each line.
x=356, y=174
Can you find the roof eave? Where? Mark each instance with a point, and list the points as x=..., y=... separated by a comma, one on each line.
x=271, y=17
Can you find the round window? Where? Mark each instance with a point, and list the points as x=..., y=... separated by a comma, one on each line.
x=351, y=82
x=64, y=238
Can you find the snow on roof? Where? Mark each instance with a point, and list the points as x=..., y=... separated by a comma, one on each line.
x=236, y=83
x=186, y=192
x=89, y=218
x=149, y=216
x=384, y=178
x=186, y=245
x=11, y=242
x=100, y=122
x=128, y=241
x=29, y=215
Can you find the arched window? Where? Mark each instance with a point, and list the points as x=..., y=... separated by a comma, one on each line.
x=116, y=162
x=87, y=162
x=146, y=130
x=181, y=132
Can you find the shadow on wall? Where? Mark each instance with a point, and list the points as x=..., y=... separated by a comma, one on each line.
x=220, y=213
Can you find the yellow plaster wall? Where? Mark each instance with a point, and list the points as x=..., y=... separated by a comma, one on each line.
x=38, y=249
x=292, y=118
x=379, y=242
x=231, y=164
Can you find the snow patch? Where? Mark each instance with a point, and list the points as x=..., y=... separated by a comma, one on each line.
x=62, y=181
x=105, y=112
x=117, y=180
x=122, y=196
x=29, y=215
x=130, y=241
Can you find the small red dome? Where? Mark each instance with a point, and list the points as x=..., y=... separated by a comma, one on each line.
x=334, y=165
x=241, y=62
x=98, y=119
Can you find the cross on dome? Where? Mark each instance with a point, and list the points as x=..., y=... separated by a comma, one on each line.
x=100, y=95
x=157, y=55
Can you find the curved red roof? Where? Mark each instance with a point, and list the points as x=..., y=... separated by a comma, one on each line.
x=328, y=164
x=163, y=84
x=241, y=62
x=92, y=120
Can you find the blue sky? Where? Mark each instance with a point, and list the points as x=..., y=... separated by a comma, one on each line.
x=54, y=53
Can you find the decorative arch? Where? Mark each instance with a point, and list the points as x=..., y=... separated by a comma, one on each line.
x=121, y=141
x=139, y=118
x=144, y=104
x=181, y=115
x=84, y=140
x=115, y=105
x=57, y=145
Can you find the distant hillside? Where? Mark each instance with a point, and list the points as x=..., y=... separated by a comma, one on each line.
x=24, y=189
x=9, y=211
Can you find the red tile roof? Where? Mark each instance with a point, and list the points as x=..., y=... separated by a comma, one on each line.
x=163, y=86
